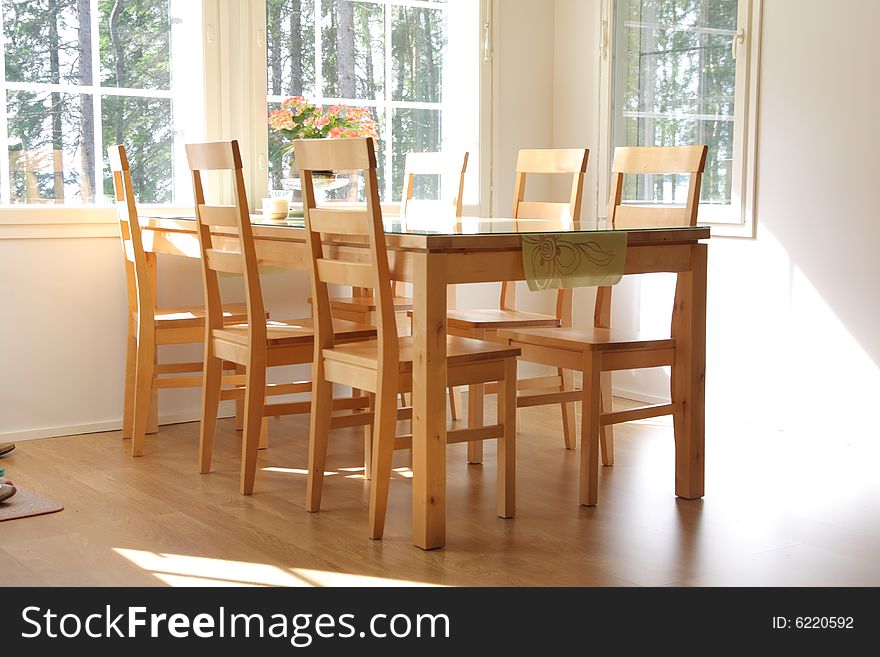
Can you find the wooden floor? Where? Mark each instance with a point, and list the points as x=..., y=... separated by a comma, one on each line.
x=780, y=510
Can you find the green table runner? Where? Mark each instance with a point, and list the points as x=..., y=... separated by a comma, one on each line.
x=552, y=261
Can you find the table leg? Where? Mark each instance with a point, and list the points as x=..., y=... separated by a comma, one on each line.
x=429, y=401
x=689, y=374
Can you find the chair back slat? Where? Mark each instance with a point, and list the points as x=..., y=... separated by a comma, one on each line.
x=229, y=262
x=557, y=213
x=340, y=221
x=239, y=253
x=650, y=216
x=544, y=215
x=659, y=159
x=219, y=215
x=552, y=160
x=345, y=155
x=213, y=156
x=138, y=271
x=341, y=272
x=363, y=263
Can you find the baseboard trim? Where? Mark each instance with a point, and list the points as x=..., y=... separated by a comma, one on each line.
x=226, y=411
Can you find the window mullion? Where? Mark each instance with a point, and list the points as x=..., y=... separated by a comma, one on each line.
x=5, y=173
x=389, y=123
x=96, y=103
x=319, y=60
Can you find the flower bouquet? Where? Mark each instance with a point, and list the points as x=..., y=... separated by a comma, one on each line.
x=298, y=118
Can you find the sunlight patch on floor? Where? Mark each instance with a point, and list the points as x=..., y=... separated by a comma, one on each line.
x=186, y=570
x=298, y=471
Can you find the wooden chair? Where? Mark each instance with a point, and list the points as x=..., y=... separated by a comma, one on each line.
x=600, y=350
x=451, y=168
x=227, y=245
x=148, y=325
x=485, y=324
x=382, y=366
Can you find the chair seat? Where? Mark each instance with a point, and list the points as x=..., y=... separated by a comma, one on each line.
x=193, y=316
x=586, y=339
x=367, y=304
x=497, y=319
x=459, y=351
x=292, y=332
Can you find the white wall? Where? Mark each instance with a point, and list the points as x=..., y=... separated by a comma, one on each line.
x=62, y=333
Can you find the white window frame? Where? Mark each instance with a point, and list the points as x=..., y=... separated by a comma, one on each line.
x=745, y=125
x=81, y=220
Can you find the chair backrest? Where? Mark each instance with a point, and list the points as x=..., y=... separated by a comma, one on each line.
x=690, y=160
x=451, y=168
x=547, y=215
x=141, y=292
x=363, y=262
x=226, y=237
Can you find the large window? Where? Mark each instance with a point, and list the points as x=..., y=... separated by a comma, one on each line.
x=680, y=75
x=400, y=59
x=79, y=75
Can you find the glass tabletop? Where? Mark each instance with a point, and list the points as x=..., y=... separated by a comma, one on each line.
x=469, y=225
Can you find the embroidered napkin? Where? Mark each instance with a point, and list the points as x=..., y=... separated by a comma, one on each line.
x=556, y=260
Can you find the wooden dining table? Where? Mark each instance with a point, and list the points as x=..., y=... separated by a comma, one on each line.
x=480, y=250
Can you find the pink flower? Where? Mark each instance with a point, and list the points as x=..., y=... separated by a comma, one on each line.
x=336, y=132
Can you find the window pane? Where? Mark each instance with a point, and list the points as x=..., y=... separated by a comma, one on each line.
x=135, y=44
x=418, y=42
x=51, y=147
x=290, y=47
x=415, y=131
x=353, y=44
x=675, y=85
x=145, y=126
x=44, y=42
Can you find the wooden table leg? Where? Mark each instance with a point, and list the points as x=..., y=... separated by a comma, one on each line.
x=689, y=374
x=429, y=401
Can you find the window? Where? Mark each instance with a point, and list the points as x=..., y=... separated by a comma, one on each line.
x=682, y=72
x=409, y=62
x=80, y=75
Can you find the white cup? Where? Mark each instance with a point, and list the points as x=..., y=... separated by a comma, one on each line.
x=275, y=208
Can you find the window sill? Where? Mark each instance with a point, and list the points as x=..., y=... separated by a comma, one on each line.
x=742, y=231
x=58, y=221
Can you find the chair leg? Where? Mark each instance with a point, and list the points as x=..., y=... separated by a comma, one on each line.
x=368, y=441
x=476, y=398
x=507, y=444
x=153, y=417
x=606, y=433
x=254, y=402
x=319, y=433
x=239, y=403
x=384, y=429
x=144, y=386
x=264, y=433
x=130, y=379
x=212, y=380
x=455, y=405
x=569, y=431
x=589, y=476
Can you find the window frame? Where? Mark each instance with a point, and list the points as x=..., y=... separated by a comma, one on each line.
x=745, y=125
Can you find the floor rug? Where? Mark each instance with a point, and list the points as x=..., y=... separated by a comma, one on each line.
x=25, y=504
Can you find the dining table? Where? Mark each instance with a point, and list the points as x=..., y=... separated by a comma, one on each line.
x=432, y=256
